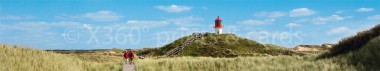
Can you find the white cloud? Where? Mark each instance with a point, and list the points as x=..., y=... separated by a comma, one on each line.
x=27, y=26
x=37, y=29
x=185, y=21
x=257, y=22
x=364, y=9
x=140, y=23
x=374, y=17
x=103, y=15
x=174, y=8
x=274, y=14
x=292, y=25
x=11, y=17
x=301, y=12
x=323, y=20
x=338, y=30
x=38, y=32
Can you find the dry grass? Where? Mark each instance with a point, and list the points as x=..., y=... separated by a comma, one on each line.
x=15, y=58
x=360, y=50
x=353, y=43
x=267, y=63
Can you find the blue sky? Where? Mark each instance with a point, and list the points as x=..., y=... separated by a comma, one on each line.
x=103, y=24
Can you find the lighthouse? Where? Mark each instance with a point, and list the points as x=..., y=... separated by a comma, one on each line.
x=218, y=25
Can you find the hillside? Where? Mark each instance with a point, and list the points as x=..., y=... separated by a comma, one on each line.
x=16, y=58
x=361, y=50
x=223, y=45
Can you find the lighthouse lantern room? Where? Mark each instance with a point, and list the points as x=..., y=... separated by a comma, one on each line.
x=218, y=26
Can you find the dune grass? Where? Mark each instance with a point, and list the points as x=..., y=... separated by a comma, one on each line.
x=222, y=45
x=360, y=50
x=353, y=43
x=367, y=58
x=16, y=58
x=265, y=63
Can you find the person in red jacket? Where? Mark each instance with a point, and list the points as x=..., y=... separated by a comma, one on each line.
x=129, y=56
x=126, y=57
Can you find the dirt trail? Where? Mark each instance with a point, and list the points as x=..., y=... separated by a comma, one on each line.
x=128, y=67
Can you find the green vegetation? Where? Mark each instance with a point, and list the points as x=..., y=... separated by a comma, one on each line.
x=356, y=53
x=226, y=52
x=260, y=63
x=15, y=58
x=101, y=56
x=361, y=50
x=353, y=43
x=223, y=45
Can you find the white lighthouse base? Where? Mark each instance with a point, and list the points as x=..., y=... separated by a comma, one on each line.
x=218, y=30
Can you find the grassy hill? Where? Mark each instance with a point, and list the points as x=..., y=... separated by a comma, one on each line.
x=361, y=50
x=223, y=45
x=16, y=58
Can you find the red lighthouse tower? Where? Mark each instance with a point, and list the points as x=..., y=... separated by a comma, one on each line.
x=218, y=25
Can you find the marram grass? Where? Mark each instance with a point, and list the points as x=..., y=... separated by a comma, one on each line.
x=15, y=58
x=265, y=63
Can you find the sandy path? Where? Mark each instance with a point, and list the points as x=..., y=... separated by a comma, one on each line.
x=128, y=67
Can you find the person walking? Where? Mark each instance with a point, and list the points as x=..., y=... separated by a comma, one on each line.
x=129, y=56
x=126, y=57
